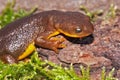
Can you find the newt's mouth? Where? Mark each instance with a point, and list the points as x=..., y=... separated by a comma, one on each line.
x=81, y=35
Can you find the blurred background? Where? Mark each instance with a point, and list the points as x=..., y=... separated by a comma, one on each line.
x=72, y=5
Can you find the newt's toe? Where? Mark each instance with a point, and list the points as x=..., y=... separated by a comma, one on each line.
x=62, y=46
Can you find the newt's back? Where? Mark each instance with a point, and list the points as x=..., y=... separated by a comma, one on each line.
x=15, y=37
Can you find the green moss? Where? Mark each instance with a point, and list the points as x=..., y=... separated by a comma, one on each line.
x=107, y=76
x=9, y=14
x=36, y=69
x=94, y=15
x=112, y=11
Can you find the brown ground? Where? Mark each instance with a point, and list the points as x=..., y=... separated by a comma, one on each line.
x=97, y=50
x=102, y=48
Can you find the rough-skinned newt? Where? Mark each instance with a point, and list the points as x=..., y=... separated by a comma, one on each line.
x=18, y=39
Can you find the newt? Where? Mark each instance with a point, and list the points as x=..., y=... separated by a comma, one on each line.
x=20, y=38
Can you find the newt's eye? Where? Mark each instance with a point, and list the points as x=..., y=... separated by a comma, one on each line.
x=78, y=30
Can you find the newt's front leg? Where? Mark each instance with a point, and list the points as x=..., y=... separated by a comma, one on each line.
x=50, y=42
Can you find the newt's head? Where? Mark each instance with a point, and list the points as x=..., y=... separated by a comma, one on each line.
x=74, y=24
